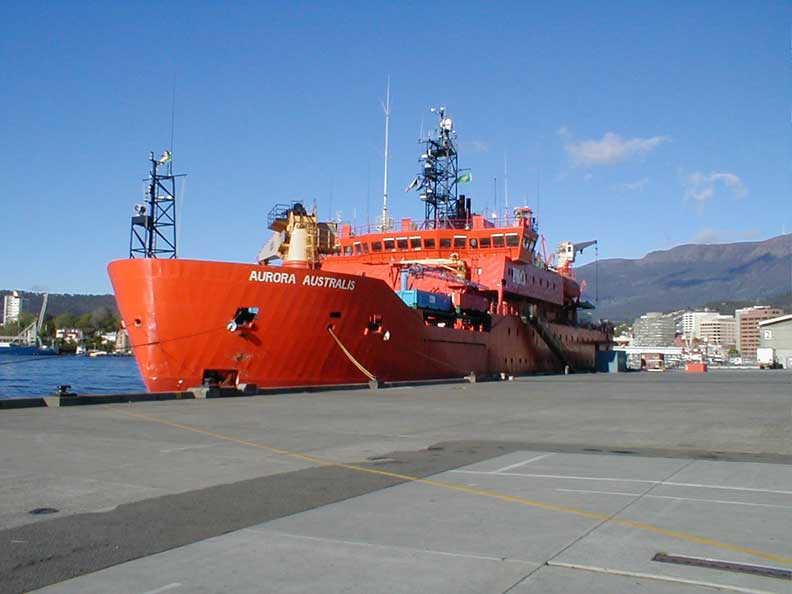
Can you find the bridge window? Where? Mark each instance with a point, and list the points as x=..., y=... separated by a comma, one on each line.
x=390, y=244
x=358, y=249
x=497, y=241
x=512, y=240
x=376, y=246
x=473, y=243
x=445, y=242
x=401, y=243
x=459, y=241
x=486, y=243
x=415, y=243
x=429, y=243
x=347, y=250
x=365, y=248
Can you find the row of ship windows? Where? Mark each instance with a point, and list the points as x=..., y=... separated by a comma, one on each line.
x=428, y=243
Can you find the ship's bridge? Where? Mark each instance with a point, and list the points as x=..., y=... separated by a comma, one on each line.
x=514, y=238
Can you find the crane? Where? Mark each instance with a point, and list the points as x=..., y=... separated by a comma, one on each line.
x=565, y=255
x=43, y=311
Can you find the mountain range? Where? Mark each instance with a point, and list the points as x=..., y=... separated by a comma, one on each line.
x=689, y=276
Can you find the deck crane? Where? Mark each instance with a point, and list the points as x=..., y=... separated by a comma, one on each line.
x=565, y=255
x=42, y=312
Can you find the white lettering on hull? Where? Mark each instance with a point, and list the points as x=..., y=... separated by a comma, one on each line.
x=329, y=282
x=267, y=276
x=519, y=276
x=310, y=280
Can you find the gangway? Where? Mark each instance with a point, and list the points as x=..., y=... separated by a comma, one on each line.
x=550, y=340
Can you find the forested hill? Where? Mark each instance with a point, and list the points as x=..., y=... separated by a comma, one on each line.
x=61, y=303
x=756, y=272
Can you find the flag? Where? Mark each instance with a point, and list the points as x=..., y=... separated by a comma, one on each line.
x=414, y=184
x=465, y=178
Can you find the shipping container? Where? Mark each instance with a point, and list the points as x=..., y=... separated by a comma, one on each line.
x=426, y=300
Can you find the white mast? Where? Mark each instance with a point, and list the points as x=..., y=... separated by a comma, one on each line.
x=385, y=222
x=505, y=187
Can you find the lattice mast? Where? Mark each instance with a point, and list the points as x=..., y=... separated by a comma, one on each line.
x=153, y=228
x=437, y=181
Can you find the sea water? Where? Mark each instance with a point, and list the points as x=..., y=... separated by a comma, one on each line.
x=40, y=375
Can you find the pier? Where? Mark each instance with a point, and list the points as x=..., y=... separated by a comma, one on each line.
x=597, y=483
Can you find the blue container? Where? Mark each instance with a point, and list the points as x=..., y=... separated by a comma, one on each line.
x=611, y=361
x=426, y=300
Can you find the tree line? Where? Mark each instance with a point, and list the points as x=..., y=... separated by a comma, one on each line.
x=101, y=320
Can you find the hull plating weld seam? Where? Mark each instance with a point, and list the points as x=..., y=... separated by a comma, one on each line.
x=473, y=491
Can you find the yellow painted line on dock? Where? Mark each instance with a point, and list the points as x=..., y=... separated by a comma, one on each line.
x=470, y=490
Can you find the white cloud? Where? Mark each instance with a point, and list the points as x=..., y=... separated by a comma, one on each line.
x=610, y=150
x=708, y=236
x=750, y=233
x=634, y=186
x=726, y=236
x=701, y=187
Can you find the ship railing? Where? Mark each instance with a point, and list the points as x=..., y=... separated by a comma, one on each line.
x=279, y=212
x=409, y=225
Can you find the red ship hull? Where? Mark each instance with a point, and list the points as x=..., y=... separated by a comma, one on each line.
x=177, y=313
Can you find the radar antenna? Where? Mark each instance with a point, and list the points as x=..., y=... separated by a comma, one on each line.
x=437, y=181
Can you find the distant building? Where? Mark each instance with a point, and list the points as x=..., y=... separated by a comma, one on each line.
x=122, y=341
x=69, y=334
x=748, y=328
x=691, y=322
x=654, y=329
x=108, y=337
x=11, y=307
x=776, y=333
x=719, y=330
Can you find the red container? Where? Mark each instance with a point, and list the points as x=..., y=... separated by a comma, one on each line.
x=696, y=367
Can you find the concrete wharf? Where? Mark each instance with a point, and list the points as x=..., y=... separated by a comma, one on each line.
x=544, y=484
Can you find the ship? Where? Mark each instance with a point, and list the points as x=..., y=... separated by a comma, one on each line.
x=456, y=294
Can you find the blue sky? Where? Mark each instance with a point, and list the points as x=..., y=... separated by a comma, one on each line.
x=643, y=125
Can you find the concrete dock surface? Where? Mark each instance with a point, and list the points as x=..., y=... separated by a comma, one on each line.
x=544, y=484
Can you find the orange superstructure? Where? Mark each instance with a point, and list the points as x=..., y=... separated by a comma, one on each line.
x=447, y=296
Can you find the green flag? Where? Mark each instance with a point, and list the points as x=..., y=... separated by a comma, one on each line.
x=465, y=178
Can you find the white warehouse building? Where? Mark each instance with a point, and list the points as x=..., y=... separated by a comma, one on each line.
x=776, y=333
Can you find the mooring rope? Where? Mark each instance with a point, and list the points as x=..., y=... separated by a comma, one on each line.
x=28, y=359
x=349, y=355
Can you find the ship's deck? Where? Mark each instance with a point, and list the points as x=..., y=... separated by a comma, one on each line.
x=544, y=484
